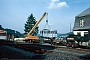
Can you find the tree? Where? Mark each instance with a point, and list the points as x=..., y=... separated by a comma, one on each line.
x=18, y=34
x=31, y=21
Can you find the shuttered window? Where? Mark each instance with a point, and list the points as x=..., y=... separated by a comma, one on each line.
x=82, y=22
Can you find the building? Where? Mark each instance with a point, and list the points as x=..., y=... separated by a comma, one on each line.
x=3, y=33
x=48, y=33
x=82, y=24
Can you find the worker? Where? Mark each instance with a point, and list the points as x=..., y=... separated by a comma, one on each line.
x=51, y=41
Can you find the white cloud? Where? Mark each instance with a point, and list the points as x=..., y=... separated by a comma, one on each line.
x=57, y=4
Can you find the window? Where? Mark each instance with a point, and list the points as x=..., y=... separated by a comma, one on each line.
x=52, y=32
x=86, y=36
x=2, y=34
x=44, y=32
x=85, y=33
x=55, y=32
x=40, y=32
x=48, y=32
x=81, y=22
x=78, y=33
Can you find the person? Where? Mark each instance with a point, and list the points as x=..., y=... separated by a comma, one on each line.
x=52, y=40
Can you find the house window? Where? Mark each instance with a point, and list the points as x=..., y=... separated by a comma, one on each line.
x=86, y=36
x=79, y=33
x=81, y=22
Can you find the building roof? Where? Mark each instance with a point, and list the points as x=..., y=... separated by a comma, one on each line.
x=48, y=30
x=85, y=12
x=85, y=15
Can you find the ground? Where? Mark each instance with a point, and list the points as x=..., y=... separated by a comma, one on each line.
x=8, y=52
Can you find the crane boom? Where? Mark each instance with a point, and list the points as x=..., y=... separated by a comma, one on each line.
x=29, y=36
x=36, y=24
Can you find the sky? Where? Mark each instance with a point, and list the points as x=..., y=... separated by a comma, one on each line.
x=14, y=13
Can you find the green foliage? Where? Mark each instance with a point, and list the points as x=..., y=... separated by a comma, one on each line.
x=31, y=21
x=17, y=34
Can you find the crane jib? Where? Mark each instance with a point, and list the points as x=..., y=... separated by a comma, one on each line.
x=29, y=34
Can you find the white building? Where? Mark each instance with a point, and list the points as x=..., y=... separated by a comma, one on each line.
x=48, y=33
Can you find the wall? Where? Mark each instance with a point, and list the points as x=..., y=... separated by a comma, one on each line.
x=82, y=32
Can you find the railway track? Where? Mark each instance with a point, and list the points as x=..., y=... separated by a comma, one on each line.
x=36, y=48
x=31, y=47
x=48, y=52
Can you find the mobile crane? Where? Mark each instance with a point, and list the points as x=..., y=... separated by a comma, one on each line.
x=29, y=37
